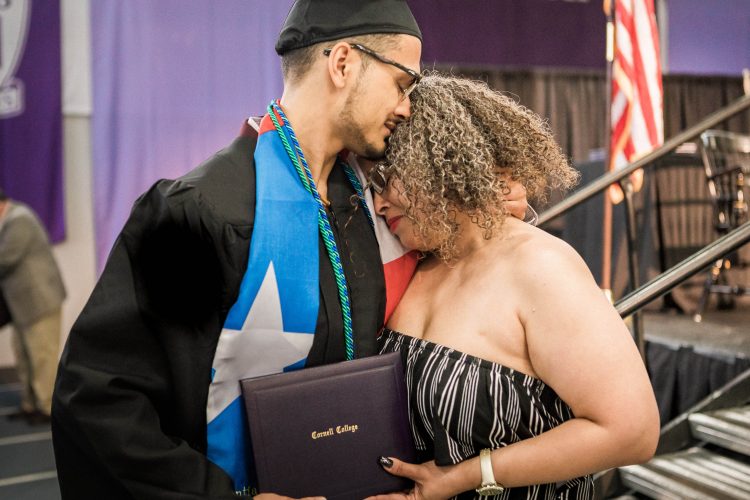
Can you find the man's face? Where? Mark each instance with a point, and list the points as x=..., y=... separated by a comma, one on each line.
x=375, y=105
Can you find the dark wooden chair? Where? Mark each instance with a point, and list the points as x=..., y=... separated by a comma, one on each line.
x=726, y=160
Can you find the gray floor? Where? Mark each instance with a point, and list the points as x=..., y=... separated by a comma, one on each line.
x=27, y=464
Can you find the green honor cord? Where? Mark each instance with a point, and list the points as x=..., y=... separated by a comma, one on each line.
x=303, y=170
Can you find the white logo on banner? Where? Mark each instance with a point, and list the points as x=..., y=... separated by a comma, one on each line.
x=14, y=26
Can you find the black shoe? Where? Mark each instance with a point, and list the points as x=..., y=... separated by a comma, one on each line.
x=20, y=414
x=38, y=418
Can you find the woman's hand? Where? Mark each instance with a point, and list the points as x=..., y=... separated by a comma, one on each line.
x=431, y=482
x=515, y=196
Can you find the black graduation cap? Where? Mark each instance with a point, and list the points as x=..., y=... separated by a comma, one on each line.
x=313, y=21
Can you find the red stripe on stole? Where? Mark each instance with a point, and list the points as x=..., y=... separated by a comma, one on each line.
x=266, y=124
x=398, y=273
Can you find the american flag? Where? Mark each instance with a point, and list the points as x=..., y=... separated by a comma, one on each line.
x=636, y=108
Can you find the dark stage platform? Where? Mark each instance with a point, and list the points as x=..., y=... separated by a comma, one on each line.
x=687, y=360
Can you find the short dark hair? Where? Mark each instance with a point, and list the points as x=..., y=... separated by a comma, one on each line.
x=296, y=63
x=3, y=196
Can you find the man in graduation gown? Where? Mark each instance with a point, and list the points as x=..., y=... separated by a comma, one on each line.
x=224, y=274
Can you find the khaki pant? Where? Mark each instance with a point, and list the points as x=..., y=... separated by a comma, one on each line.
x=37, y=347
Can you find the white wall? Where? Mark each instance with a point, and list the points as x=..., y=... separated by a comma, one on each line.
x=76, y=254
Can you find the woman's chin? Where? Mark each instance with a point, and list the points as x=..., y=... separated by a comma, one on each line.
x=412, y=245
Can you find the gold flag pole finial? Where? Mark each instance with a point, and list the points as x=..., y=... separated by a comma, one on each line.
x=607, y=6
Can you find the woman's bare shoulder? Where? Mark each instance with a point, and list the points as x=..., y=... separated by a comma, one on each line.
x=542, y=263
x=534, y=248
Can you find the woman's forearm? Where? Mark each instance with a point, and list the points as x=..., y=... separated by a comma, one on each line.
x=576, y=448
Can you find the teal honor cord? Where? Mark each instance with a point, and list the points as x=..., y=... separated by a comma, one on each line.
x=303, y=170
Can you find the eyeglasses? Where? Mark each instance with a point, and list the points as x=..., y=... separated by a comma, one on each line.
x=416, y=77
x=379, y=177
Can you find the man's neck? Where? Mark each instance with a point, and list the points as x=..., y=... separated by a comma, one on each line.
x=318, y=142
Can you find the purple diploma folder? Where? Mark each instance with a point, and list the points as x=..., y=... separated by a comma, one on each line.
x=320, y=431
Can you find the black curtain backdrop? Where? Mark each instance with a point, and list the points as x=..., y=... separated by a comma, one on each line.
x=682, y=377
x=575, y=103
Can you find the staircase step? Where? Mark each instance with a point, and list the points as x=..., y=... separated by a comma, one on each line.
x=728, y=428
x=695, y=473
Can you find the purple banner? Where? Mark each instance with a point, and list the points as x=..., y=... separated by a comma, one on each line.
x=710, y=38
x=521, y=33
x=31, y=109
x=172, y=83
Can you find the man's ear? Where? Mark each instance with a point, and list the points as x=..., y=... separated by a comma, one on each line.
x=341, y=64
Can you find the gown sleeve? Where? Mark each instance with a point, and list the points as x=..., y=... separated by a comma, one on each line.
x=128, y=415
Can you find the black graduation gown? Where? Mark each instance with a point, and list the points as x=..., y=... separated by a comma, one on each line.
x=129, y=409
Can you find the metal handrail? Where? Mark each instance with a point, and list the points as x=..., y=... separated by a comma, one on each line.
x=610, y=178
x=682, y=271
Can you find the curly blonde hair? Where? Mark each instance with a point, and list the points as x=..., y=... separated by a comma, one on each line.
x=448, y=157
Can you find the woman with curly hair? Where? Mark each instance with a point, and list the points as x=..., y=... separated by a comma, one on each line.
x=523, y=380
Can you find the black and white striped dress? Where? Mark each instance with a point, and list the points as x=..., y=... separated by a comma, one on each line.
x=460, y=404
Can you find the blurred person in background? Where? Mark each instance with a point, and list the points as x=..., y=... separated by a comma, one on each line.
x=33, y=289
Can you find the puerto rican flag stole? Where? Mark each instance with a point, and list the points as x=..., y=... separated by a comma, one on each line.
x=271, y=326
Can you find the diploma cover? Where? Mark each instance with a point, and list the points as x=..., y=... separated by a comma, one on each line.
x=320, y=431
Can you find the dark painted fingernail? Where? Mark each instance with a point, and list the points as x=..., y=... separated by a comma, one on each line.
x=386, y=462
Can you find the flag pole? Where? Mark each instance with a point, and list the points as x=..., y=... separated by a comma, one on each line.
x=606, y=276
